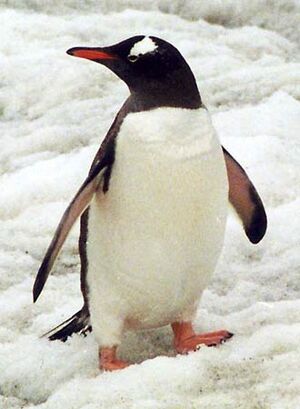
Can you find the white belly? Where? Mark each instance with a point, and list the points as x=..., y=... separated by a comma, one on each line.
x=155, y=237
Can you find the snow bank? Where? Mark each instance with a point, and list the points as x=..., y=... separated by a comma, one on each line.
x=278, y=15
x=55, y=110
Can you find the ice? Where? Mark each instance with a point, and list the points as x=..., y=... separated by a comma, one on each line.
x=54, y=112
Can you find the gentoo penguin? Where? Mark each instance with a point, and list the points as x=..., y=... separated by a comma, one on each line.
x=153, y=207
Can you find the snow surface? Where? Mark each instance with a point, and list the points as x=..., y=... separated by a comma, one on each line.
x=54, y=111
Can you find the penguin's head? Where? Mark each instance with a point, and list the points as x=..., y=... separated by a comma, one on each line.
x=151, y=67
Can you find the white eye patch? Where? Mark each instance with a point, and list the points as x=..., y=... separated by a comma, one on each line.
x=144, y=46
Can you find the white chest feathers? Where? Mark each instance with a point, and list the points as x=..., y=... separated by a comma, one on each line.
x=155, y=236
x=180, y=133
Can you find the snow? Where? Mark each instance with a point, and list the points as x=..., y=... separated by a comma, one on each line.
x=54, y=111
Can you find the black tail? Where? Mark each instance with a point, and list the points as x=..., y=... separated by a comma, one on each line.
x=78, y=323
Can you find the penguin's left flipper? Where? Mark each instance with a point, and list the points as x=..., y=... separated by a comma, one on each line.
x=77, y=206
x=245, y=199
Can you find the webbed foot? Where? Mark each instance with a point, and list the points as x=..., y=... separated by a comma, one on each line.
x=186, y=340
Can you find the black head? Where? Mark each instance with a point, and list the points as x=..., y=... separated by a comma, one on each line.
x=154, y=70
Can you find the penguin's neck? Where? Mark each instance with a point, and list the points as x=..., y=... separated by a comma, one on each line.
x=175, y=92
x=158, y=100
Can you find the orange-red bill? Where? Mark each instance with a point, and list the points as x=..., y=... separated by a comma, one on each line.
x=91, y=54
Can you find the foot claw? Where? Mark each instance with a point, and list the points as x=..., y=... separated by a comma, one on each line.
x=195, y=342
x=108, y=360
x=114, y=365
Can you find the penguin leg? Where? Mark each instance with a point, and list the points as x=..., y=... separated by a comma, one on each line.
x=185, y=338
x=108, y=332
x=108, y=359
x=108, y=346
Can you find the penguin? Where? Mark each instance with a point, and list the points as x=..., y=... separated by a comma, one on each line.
x=153, y=207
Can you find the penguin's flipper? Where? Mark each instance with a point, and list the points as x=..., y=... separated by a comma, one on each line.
x=77, y=206
x=101, y=167
x=245, y=199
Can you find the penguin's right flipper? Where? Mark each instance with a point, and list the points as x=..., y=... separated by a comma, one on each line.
x=244, y=198
x=101, y=167
x=77, y=206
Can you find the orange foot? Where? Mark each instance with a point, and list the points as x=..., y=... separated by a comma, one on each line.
x=186, y=340
x=108, y=360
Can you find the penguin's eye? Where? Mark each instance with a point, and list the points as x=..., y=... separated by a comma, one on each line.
x=133, y=58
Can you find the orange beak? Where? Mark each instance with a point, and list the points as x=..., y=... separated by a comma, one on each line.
x=93, y=54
